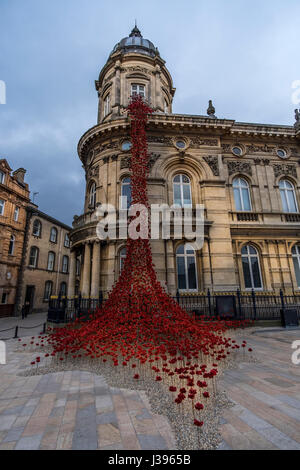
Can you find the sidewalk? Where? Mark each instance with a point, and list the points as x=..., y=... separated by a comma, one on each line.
x=33, y=325
x=78, y=410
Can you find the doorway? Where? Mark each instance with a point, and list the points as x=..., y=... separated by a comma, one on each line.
x=29, y=299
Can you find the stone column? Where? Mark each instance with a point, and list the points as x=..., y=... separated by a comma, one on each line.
x=95, y=270
x=171, y=268
x=86, y=275
x=72, y=274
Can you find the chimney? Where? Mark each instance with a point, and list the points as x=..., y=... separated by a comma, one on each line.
x=19, y=174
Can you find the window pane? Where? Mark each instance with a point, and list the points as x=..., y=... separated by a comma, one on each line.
x=177, y=194
x=292, y=202
x=186, y=195
x=284, y=201
x=180, y=250
x=297, y=270
x=246, y=199
x=191, y=272
x=237, y=199
x=181, y=273
x=246, y=271
x=126, y=191
x=255, y=272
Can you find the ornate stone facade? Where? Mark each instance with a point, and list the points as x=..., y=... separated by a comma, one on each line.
x=217, y=155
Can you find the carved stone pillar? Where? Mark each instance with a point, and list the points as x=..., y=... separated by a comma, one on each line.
x=86, y=275
x=95, y=270
x=171, y=268
x=72, y=275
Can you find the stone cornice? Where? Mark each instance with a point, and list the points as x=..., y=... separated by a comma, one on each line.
x=227, y=128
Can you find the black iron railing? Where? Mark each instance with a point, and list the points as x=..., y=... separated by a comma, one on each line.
x=241, y=305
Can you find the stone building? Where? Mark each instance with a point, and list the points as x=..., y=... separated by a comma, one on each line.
x=245, y=174
x=14, y=197
x=46, y=266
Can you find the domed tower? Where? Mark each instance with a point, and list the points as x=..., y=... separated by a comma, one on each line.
x=133, y=66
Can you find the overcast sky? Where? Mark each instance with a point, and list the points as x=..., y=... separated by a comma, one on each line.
x=244, y=55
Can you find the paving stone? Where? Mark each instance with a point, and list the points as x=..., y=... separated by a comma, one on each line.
x=150, y=442
x=144, y=414
x=13, y=434
x=223, y=446
x=6, y=422
x=104, y=403
x=106, y=418
x=280, y=440
x=29, y=442
x=15, y=410
x=85, y=438
x=290, y=401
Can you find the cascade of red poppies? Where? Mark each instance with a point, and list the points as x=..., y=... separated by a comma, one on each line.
x=140, y=323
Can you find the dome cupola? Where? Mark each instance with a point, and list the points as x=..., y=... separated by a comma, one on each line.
x=135, y=43
x=133, y=67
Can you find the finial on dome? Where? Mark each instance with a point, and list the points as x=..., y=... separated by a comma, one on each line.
x=211, y=110
x=135, y=31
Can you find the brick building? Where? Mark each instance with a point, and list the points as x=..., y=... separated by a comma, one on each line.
x=14, y=198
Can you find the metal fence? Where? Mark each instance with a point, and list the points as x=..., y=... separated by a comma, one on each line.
x=242, y=305
x=239, y=305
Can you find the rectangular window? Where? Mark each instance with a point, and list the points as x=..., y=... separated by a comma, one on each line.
x=16, y=214
x=2, y=204
x=2, y=177
x=137, y=89
x=4, y=298
x=107, y=105
x=297, y=270
x=181, y=273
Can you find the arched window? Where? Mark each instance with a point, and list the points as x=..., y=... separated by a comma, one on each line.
x=106, y=110
x=11, y=247
x=126, y=192
x=186, y=268
x=53, y=235
x=288, y=197
x=241, y=194
x=137, y=89
x=122, y=258
x=182, y=191
x=51, y=261
x=33, y=257
x=296, y=260
x=48, y=290
x=92, y=200
x=63, y=289
x=67, y=241
x=251, y=267
x=37, y=228
x=65, y=264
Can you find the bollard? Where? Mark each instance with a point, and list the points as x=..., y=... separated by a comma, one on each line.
x=16, y=332
x=44, y=328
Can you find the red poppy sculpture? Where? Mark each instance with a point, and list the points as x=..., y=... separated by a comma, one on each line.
x=140, y=325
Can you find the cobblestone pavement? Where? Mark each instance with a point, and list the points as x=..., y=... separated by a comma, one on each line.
x=73, y=410
x=266, y=414
x=78, y=410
